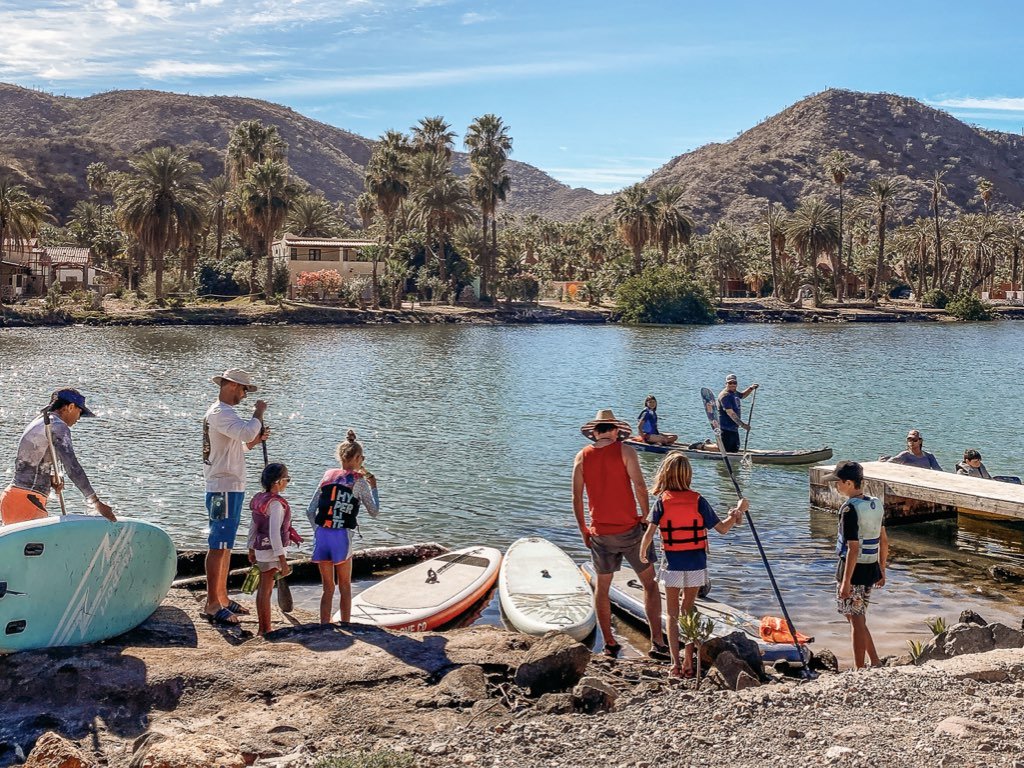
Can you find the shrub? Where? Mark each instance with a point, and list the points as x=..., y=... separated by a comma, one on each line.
x=321, y=285
x=521, y=287
x=936, y=297
x=216, y=279
x=53, y=296
x=664, y=295
x=353, y=291
x=967, y=306
x=381, y=759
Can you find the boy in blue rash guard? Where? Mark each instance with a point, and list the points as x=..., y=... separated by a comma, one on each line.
x=647, y=424
x=863, y=549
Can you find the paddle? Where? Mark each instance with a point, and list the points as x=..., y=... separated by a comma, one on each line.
x=54, y=472
x=711, y=410
x=284, y=592
x=747, y=461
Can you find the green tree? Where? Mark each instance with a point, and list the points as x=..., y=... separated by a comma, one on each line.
x=441, y=207
x=883, y=193
x=160, y=203
x=97, y=177
x=266, y=194
x=837, y=166
x=218, y=194
x=489, y=144
x=664, y=295
x=251, y=142
x=670, y=226
x=311, y=216
x=813, y=230
x=387, y=181
x=634, y=215
x=21, y=215
x=366, y=209
x=938, y=191
x=433, y=135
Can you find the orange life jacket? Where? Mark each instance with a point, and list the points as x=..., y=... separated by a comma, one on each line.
x=774, y=630
x=681, y=524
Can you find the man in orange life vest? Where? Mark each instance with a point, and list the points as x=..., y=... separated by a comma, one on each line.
x=610, y=474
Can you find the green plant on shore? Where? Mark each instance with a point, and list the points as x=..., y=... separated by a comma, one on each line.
x=967, y=306
x=936, y=297
x=693, y=628
x=381, y=759
x=916, y=649
x=53, y=296
x=664, y=295
x=936, y=625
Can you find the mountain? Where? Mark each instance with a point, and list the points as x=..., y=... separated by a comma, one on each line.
x=884, y=134
x=50, y=140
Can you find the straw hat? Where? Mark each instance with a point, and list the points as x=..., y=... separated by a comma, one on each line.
x=605, y=416
x=238, y=376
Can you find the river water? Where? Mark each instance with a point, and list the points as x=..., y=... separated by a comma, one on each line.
x=471, y=431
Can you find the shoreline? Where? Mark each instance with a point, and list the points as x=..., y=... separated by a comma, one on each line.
x=240, y=312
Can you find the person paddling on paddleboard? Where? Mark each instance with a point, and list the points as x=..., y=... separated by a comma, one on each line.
x=34, y=475
x=226, y=437
x=647, y=424
x=609, y=472
x=730, y=412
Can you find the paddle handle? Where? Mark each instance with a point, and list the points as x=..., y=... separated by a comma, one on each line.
x=54, y=472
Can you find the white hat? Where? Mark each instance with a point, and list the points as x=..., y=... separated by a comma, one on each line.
x=731, y=379
x=605, y=416
x=238, y=376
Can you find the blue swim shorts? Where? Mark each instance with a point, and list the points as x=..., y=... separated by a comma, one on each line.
x=332, y=545
x=225, y=513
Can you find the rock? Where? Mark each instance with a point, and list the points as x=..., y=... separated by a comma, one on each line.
x=837, y=754
x=740, y=646
x=967, y=638
x=963, y=728
x=192, y=751
x=438, y=748
x=1007, y=573
x=903, y=660
x=592, y=694
x=793, y=733
x=1006, y=637
x=970, y=617
x=53, y=751
x=554, y=663
x=855, y=732
x=729, y=672
x=824, y=661
x=463, y=686
x=555, y=704
x=934, y=649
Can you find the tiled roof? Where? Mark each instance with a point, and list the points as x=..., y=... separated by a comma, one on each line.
x=324, y=242
x=68, y=255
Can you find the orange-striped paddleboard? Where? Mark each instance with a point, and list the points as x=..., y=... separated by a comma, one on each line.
x=429, y=594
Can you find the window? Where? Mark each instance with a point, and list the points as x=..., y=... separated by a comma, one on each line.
x=295, y=253
x=314, y=254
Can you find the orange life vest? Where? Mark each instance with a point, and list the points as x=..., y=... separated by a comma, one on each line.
x=774, y=630
x=681, y=524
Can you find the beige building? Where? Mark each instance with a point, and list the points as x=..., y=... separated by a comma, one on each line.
x=312, y=254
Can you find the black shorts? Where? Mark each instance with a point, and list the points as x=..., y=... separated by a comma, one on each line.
x=731, y=441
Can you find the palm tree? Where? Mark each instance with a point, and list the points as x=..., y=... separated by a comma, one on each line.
x=634, y=215
x=670, y=226
x=311, y=216
x=837, y=165
x=985, y=188
x=97, y=177
x=251, y=143
x=366, y=209
x=1013, y=236
x=387, y=180
x=85, y=221
x=21, y=215
x=434, y=135
x=938, y=192
x=776, y=221
x=441, y=207
x=813, y=229
x=489, y=145
x=160, y=203
x=883, y=193
x=218, y=193
x=266, y=195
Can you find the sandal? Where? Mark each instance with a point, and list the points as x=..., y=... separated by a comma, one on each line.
x=237, y=608
x=223, y=616
x=659, y=652
x=612, y=650
x=676, y=672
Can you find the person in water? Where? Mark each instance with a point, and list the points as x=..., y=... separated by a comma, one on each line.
x=34, y=474
x=730, y=412
x=915, y=455
x=609, y=473
x=647, y=424
x=863, y=549
x=269, y=534
x=972, y=465
x=683, y=518
x=332, y=512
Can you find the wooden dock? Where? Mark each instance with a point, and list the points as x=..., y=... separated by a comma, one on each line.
x=912, y=495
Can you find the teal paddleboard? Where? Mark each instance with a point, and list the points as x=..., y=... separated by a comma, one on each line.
x=79, y=579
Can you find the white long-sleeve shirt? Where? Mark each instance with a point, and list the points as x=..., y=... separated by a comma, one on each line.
x=225, y=434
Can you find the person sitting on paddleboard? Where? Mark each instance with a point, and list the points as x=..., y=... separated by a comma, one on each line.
x=269, y=534
x=682, y=517
x=972, y=465
x=332, y=513
x=730, y=412
x=647, y=424
x=915, y=455
x=25, y=498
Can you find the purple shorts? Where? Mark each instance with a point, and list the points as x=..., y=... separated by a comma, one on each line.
x=331, y=545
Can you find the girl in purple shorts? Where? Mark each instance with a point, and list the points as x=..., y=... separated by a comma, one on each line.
x=332, y=511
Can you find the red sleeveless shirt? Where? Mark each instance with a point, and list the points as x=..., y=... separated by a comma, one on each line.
x=609, y=490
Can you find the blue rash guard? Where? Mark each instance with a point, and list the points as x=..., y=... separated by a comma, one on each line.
x=648, y=421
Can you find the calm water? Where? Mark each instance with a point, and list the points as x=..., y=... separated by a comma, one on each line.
x=471, y=432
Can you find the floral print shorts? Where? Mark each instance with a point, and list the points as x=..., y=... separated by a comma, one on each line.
x=857, y=603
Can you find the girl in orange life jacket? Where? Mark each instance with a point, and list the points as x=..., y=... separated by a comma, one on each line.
x=332, y=513
x=683, y=518
x=269, y=536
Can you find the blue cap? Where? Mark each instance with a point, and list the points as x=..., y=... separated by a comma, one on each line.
x=71, y=396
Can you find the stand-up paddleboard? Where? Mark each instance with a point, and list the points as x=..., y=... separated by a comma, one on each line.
x=542, y=589
x=430, y=593
x=79, y=579
x=627, y=594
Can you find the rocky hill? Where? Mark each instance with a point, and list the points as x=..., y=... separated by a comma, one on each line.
x=50, y=140
x=884, y=134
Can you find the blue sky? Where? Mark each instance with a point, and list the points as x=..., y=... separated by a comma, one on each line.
x=597, y=94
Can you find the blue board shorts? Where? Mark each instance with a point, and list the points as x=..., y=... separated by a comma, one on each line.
x=224, y=509
x=333, y=545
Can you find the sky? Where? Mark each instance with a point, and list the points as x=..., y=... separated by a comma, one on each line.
x=597, y=94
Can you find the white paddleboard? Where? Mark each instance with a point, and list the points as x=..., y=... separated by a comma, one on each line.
x=428, y=594
x=542, y=589
x=79, y=579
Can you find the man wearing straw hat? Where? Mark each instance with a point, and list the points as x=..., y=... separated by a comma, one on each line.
x=609, y=472
x=226, y=437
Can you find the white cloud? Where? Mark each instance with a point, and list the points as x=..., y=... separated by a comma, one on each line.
x=601, y=178
x=995, y=103
x=472, y=17
x=166, y=69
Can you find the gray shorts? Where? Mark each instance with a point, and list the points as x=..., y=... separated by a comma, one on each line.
x=606, y=552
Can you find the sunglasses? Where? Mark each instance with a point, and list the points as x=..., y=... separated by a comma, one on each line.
x=913, y=439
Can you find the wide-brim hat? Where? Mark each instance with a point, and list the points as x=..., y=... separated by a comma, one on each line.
x=238, y=376
x=605, y=416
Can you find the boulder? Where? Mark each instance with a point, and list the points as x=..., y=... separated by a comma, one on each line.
x=731, y=673
x=192, y=751
x=967, y=638
x=970, y=617
x=963, y=728
x=1006, y=637
x=463, y=686
x=555, y=704
x=554, y=663
x=53, y=751
x=739, y=645
x=824, y=661
x=592, y=694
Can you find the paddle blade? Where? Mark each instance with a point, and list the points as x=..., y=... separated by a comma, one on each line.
x=711, y=410
x=284, y=596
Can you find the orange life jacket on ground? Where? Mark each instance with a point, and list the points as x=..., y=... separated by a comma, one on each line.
x=681, y=524
x=774, y=630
